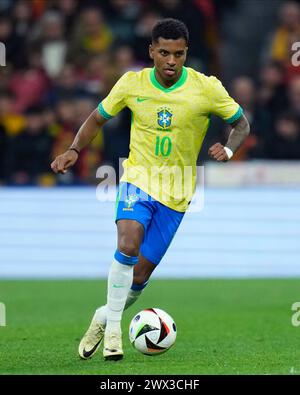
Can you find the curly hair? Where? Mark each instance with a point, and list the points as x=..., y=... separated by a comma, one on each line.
x=170, y=29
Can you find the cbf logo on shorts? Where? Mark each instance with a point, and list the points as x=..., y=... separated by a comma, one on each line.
x=130, y=201
x=164, y=117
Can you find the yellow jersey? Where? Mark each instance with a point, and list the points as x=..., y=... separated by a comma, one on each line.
x=167, y=129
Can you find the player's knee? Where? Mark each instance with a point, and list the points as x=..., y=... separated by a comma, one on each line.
x=128, y=248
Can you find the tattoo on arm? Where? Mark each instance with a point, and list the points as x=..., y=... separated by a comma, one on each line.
x=240, y=131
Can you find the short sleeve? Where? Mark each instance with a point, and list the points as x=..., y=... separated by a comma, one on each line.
x=115, y=101
x=222, y=105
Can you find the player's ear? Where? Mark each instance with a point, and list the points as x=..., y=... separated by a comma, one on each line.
x=185, y=53
x=151, y=51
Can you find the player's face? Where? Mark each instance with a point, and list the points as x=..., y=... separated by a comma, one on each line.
x=169, y=57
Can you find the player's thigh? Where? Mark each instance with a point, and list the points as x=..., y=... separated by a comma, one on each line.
x=160, y=233
x=133, y=215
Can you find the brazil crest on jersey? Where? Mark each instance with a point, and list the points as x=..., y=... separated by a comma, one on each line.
x=167, y=130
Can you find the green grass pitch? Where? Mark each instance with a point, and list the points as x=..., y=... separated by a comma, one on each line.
x=224, y=327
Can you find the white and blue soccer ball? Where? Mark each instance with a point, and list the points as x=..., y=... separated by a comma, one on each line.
x=152, y=331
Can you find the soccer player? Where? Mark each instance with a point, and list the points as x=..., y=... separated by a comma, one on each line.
x=171, y=107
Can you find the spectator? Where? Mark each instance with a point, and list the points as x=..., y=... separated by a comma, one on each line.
x=91, y=156
x=116, y=138
x=285, y=35
x=142, y=32
x=66, y=113
x=285, y=142
x=94, y=75
x=11, y=122
x=29, y=85
x=29, y=152
x=69, y=9
x=5, y=77
x=294, y=96
x=51, y=122
x=66, y=86
x=92, y=36
x=124, y=60
x=122, y=15
x=272, y=90
x=49, y=37
x=22, y=18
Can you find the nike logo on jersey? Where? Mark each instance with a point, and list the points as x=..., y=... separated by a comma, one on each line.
x=140, y=99
x=118, y=286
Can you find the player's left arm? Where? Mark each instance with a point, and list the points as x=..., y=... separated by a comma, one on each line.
x=239, y=132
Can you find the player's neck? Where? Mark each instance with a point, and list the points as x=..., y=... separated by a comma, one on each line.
x=164, y=83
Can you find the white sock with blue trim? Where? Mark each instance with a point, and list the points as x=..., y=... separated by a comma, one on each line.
x=134, y=293
x=119, y=282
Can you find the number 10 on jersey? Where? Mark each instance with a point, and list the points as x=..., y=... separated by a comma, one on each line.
x=163, y=146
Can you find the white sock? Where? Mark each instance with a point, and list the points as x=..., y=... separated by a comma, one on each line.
x=119, y=282
x=100, y=315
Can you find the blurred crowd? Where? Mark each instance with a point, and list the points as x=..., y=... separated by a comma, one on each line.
x=63, y=57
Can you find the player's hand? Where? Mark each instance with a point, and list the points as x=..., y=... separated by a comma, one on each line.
x=218, y=153
x=62, y=162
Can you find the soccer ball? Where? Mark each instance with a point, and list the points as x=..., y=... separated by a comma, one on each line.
x=152, y=331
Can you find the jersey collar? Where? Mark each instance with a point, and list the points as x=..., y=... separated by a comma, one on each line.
x=179, y=83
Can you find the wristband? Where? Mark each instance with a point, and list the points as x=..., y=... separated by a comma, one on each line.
x=228, y=152
x=73, y=149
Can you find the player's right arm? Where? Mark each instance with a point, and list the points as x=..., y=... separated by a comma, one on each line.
x=84, y=136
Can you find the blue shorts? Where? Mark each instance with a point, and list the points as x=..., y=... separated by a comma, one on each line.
x=160, y=222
